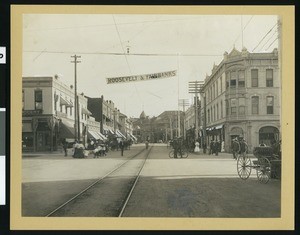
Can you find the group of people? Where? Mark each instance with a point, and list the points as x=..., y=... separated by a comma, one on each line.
x=96, y=147
x=214, y=147
x=239, y=146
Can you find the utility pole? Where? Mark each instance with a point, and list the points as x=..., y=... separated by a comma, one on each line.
x=195, y=88
x=76, y=113
x=183, y=103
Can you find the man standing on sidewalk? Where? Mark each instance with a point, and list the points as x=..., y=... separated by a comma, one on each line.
x=122, y=147
x=65, y=147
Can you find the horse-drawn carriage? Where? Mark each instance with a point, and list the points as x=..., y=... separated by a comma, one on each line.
x=267, y=163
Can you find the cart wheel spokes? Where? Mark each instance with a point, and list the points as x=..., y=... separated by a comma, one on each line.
x=263, y=170
x=244, y=166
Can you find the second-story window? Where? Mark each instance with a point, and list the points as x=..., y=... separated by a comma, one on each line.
x=221, y=109
x=233, y=79
x=38, y=99
x=233, y=105
x=227, y=107
x=242, y=106
x=269, y=78
x=208, y=116
x=241, y=78
x=255, y=104
x=270, y=105
x=254, y=77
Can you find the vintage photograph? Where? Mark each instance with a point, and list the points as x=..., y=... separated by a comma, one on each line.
x=127, y=117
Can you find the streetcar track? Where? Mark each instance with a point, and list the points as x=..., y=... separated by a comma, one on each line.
x=94, y=183
x=134, y=184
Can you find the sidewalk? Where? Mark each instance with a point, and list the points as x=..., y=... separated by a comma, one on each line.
x=61, y=155
x=221, y=155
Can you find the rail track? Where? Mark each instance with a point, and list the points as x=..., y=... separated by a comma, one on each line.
x=90, y=202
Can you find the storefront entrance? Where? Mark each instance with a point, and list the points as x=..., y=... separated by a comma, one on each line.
x=43, y=141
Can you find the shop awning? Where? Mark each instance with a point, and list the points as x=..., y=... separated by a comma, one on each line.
x=85, y=111
x=66, y=130
x=102, y=136
x=133, y=137
x=65, y=102
x=120, y=135
x=111, y=131
x=93, y=134
x=214, y=128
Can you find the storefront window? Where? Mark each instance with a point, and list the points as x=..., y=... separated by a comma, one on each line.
x=27, y=140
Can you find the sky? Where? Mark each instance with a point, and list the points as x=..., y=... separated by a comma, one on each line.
x=190, y=44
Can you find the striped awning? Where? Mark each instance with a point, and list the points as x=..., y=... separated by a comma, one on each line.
x=119, y=134
x=65, y=102
x=85, y=111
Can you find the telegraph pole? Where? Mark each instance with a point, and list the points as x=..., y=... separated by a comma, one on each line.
x=76, y=113
x=195, y=88
x=183, y=103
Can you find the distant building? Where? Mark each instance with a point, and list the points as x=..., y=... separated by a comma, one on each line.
x=242, y=98
x=160, y=128
x=48, y=113
x=113, y=123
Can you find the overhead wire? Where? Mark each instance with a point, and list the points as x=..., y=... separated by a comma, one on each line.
x=272, y=43
x=264, y=37
x=125, y=55
x=268, y=40
x=120, y=54
x=243, y=29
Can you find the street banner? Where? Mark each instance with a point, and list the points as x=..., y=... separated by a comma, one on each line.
x=145, y=77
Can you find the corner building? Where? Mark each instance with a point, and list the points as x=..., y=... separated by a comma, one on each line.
x=242, y=98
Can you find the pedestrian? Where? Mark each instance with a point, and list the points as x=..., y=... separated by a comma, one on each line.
x=243, y=146
x=65, y=147
x=197, y=149
x=122, y=147
x=216, y=147
x=204, y=147
x=211, y=147
x=175, y=147
x=147, y=144
x=235, y=146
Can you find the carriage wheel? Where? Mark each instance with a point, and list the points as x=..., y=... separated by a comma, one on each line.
x=171, y=154
x=244, y=166
x=263, y=170
x=185, y=153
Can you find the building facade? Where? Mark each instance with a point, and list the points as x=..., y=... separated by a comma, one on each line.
x=241, y=97
x=48, y=113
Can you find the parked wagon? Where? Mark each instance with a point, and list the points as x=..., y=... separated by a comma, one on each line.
x=267, y=164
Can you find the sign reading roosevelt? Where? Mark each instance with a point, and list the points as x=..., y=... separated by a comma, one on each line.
x=145, y=77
